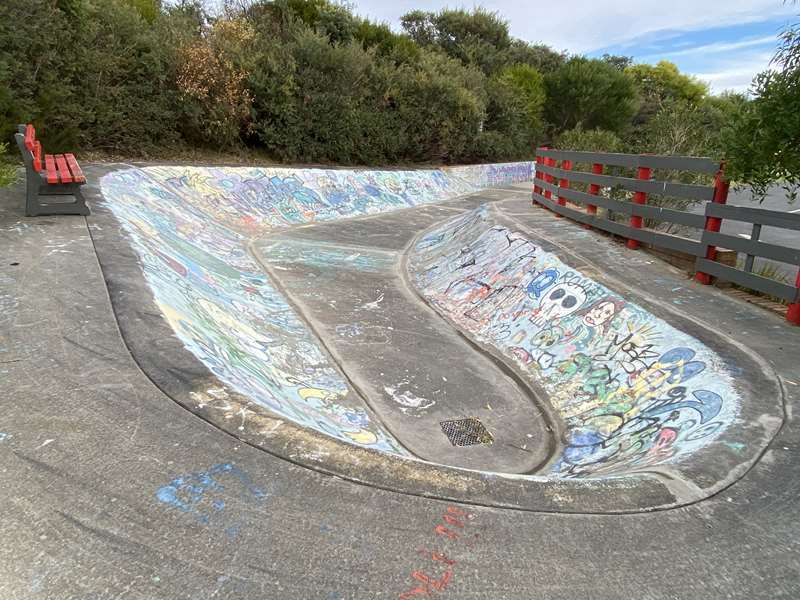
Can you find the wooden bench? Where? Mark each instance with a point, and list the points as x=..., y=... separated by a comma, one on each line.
x=49, y=175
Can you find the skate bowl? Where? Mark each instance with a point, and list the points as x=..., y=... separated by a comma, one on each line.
x=394, y=329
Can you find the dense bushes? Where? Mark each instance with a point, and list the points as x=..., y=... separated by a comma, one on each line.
x=309, y=81
x=92, y=76
x=591, y=93
x=305, y=80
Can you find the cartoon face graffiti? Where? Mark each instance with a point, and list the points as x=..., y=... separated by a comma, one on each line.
x=560, y=301
x=600, y=314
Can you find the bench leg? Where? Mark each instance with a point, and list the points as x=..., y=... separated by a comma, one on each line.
x=34, y=208
x=32, y=183
x=81, y=202
x=31, y=202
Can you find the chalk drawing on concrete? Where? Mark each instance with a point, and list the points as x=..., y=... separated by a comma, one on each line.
x=205, y=495
x=632, y=390
x=409, y=403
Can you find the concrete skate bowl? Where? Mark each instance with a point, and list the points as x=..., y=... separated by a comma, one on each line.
x=385, y=327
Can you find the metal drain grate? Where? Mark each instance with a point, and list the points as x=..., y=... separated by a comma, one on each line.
x=466, y=432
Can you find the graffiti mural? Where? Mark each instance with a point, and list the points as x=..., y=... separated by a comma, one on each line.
x=190, y=227
x=495, y=175
x=632, y=390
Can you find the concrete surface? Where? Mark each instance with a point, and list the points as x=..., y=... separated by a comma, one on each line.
x=112, y=490
x=415, y=368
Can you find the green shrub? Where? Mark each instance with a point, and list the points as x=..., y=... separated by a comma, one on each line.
x=332, y=86
x=590, y=93
x=100, y=83
x=148, y=9
x=8, y=168
x=588, y=140
x=763, y=141
x=433, y=110
x=212, y=81
x=123, y=82
x=309, y=81
x=527, y=84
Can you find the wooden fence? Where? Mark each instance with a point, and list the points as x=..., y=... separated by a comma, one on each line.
x=556, y=171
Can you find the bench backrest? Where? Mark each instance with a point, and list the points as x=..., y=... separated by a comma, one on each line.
x=30, y=147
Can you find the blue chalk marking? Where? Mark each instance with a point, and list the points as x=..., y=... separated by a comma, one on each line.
x=735, y=446
x=4, y=436
x=192, y=494
x=541, y=282
x=232, y=531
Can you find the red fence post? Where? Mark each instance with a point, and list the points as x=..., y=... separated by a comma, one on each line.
x=714, y=223
x=594, y=190
x=639, y=198
x=563, y=183
x=793, y=314
x=549, y=162
x=538, y=175
x=566, y=165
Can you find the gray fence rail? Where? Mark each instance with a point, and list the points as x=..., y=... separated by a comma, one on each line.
x=752, y=248
x=552, y=190
x=645, y=236
x=652, y=161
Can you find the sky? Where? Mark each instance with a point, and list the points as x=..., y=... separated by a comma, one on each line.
x=723, y=42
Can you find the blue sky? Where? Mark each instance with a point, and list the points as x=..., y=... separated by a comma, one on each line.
x=723, y=42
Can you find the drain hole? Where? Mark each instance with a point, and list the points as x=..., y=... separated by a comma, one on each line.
x=466, y=432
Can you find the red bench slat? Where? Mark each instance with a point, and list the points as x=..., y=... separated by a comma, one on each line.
x=75, y=169
x=30, y=137
x=50, y=165
x=63, y=170
x=37, y=156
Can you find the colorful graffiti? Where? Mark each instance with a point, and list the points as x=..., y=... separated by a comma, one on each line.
x=190, y=227
x=632, y=390
x=495, y=175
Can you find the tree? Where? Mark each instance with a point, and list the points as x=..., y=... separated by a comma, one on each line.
x=433, y=110
x=661, y=83
x=591, y=93
x=420, y=27
x=475, y=38
x=591, y=140
x=619, y=62
x=542, y=58
x=763, y=142
x=399, y=48
x=148, y=9
x=528, y=85
x=213, y=83
x=682, y=128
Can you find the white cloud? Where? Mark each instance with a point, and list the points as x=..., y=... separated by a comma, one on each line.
x=735, y=73
x=715, y=48
x=586, y=25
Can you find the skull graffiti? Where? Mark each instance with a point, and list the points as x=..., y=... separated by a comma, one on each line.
x=560, y=301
